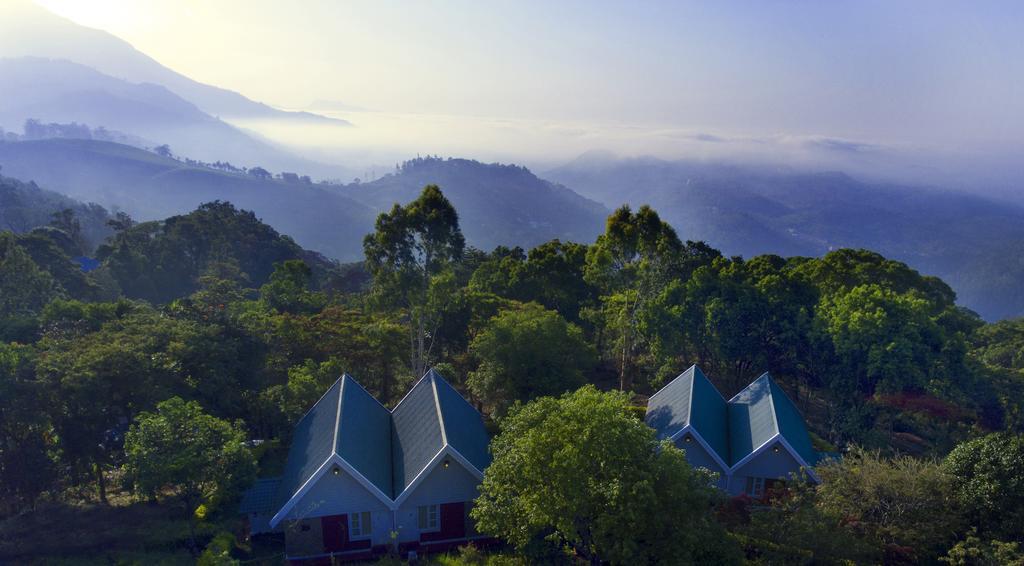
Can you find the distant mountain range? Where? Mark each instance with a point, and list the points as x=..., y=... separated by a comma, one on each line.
x=974, y=244
x=497, y=204
x=28, y=30
x=151, y=187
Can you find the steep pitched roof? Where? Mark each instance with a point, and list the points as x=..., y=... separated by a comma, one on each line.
x=261, y=497
x=462, y=425
x=312, y=444
x=691, y=400
x=733, y=429
x=416, y=435
x=751, y=419
x=761, y=411
x=387, y=450
x=363, y=435
x=791, y=424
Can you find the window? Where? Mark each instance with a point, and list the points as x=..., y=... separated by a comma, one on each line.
x=360, y=525
x=755, y=487
x=428, y=517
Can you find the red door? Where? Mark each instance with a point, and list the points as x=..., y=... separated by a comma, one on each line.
x=453, y=520
x=335, y=531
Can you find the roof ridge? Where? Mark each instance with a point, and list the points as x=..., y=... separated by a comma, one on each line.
x=313, y=406
x=437, y=405
x=674, y=379
x=370, y=395
x=749, y=385
x=411, y=389
x=337, y=416
x=771, y=401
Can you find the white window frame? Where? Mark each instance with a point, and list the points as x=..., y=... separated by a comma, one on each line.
x=363, y=522
x=425, y=511
x=755, y=487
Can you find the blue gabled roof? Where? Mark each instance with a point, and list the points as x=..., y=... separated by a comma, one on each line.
x=733, y=429
x=261, y=497
x=415, y=434
x=751, y=419
x=388, y=448
x=691, y=399
x=312, y=443
x=463, y=425
x=791, y=424
x=364, y=434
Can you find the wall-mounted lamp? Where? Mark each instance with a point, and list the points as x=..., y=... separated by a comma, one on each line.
x=688, y=438
x=446, y=463
x=776, y=449
x=336, y=470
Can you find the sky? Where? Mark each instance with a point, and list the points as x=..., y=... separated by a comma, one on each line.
x=919, y=76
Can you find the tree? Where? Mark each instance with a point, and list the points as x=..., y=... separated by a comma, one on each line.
x=988, y=480
x=904, y=505
x=411, y=254
x=586, y=475
x=635, y=257
x=526, y=352
x=24, y=287
x=203, y=458
x=26, y=439
x=101, y=380
x=289, y=288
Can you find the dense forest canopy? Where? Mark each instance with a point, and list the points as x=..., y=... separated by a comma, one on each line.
x=214, y=318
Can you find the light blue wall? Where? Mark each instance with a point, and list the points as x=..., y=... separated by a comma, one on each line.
x=698, y=457
x=767, y=464
x=343, y=494
x=441, y=485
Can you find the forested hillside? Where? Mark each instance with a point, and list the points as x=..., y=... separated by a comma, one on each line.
x=149, y=186
x=751, y=210
x=498, y=204
x=213, y=317
x=24, y=206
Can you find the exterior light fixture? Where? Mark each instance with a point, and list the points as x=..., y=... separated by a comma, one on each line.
x=446, y=463
x=775, y=448
x=336, y=470
x=688, y=438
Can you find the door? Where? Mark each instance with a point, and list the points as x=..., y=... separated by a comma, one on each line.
x=335, y=530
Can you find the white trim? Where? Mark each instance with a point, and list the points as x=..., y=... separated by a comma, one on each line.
x=771, y=403
x=799, y=459
x=422, y=475
x=755, y=452
x=428, y=529
x=337, y=460
x=313, y=406
x=366, y=483
x=707, y=447
x=306, y=486
x=361, y=536
x=337, y=416
x=465, y=462
x=789, y=448
x=437, y=405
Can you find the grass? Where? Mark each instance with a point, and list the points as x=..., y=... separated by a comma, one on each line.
x=136, y=533
x=75, y=530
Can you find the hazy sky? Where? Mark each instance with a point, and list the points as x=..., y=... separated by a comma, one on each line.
x=886, y=71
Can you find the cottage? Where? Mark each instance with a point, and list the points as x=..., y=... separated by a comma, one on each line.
x=360, y=478
x=754, y=441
